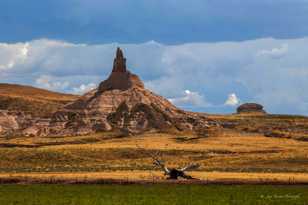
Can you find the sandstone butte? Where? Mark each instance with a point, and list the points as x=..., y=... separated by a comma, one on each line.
x=251, y=108
x=120, y=103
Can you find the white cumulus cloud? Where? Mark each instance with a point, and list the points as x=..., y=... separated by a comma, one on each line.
x=189, y=98
x=13, y=55
x=275, y=52
x=232, y=100
x=269, y=71
x=84, y=88
x=49, y=82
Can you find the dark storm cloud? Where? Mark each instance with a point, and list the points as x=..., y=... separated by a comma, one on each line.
x=166, y=21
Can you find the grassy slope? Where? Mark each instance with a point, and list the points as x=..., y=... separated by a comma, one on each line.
x=155, y=194
x=38, y=102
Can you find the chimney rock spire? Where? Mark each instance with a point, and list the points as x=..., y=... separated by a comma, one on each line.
x=119, y=63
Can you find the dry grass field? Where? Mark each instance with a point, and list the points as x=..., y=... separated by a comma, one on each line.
x=229, y=153
x=270, y=146
x=154, y=177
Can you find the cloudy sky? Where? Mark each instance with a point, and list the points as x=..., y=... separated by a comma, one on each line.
x=203, y=55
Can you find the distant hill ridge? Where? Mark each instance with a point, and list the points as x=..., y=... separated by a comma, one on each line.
x=35, y=101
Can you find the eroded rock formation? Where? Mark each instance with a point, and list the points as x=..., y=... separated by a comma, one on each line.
x=8, y=123
x=120, y=78
x=250, y=108
x=12, y=122
x=121, y=102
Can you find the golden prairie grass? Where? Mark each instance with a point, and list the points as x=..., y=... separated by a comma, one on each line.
x=243, y=148
x=230, y=151
x=157, y=176
x=28, y=92
x=246, y=147
x=35, y=101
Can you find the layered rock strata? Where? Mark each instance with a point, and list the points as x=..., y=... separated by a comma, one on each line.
x=121, y=102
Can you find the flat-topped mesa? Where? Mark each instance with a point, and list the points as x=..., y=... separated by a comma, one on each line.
x=120, y=78
x=252, y=108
